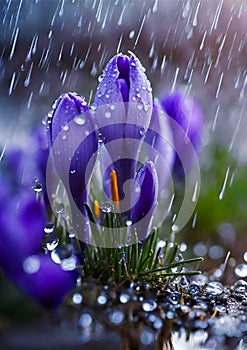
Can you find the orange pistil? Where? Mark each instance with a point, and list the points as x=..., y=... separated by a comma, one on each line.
x=96, y=208
x=114, y=188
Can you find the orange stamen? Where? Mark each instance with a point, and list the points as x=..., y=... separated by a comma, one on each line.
x=96, y=208
x=114, y=188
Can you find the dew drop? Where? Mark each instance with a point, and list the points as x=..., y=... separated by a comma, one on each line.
x=62, y=252
x=240, y=286
x=149, y=305
x=128, y=222
x=116, y=317
x=214, y=289
x=220, y=308
x=106, y=208
x=124, y=298
x=59, y=207
x=142, y=131
x=49, y=228
x=77, y=298
x=79, y=120
x=102, y=299
x=66, y=127
x=37, y=188
x=194, y=288
x=85, y=320
x=69, y=264
x=107, y=115
x=31, y=264
x=241, y=270
x=49, y=242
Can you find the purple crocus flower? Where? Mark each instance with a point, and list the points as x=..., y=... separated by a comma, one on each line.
x=67, y=127
x=120, y=121
x=124, y=86
x=188, y=118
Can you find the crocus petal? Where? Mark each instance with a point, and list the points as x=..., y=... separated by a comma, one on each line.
x=45, y=281
x=109, y=90
x=188, y=115
x=65, y=108
x=141, y=213
x=159, y=142
x=22, y=222
x=74, y=145
x=123, y=80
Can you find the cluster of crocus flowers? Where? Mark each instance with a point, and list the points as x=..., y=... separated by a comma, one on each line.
x=103, y=157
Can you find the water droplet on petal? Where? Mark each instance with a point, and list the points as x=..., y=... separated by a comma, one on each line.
x=49, y=228
x=62, y=252
x=79, y=120
x=31, y=264
x=66, y=127
x=37, y=188
x=49, y=241
x=69, y=264
x=142, y=131
x=128, y=222
x=108, y=115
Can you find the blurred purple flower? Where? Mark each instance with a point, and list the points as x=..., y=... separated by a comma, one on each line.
x=45, y=281
x=22, y=221
x=26, y=166
x=188, y=115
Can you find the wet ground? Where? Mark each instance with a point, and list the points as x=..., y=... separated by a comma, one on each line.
x=186, y=315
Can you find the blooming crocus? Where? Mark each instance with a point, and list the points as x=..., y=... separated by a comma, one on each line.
x=125, y=92
x=188, y=125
